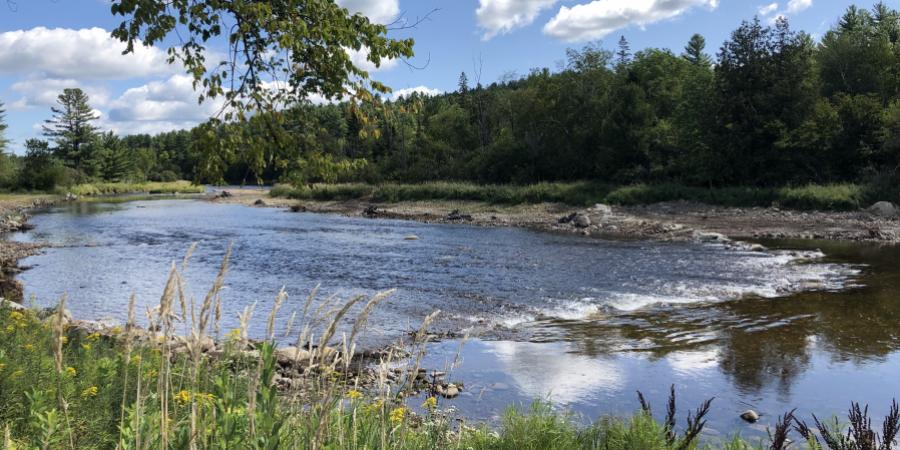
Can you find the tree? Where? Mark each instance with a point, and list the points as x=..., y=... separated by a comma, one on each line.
x=41, y=170
x=623, y=55
x=3, y=126
x=463, y=84
x=694, y=51
x=71, y=127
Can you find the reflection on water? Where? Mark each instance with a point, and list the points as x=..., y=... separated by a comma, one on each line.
x=586, y=322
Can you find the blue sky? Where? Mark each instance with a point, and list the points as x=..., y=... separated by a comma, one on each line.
x=47, y=45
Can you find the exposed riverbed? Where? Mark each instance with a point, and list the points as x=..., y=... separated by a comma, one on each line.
x=583, y=321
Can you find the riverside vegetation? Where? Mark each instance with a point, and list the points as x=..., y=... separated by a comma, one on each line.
x=773, y=116
x=69, y=384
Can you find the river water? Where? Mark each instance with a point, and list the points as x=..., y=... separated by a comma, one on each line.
x=582, y=322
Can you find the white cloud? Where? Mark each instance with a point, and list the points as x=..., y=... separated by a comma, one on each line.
x=43, y=92
x=767, y=9
x=795, y=6
x=423, y=90
x=158, y=106
x=379, y=11
x=502, y=16
x=601, y=17
x=360, y=59
x=63, y=53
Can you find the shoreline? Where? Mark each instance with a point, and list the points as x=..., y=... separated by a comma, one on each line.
x=670, y=221
x=14, y=216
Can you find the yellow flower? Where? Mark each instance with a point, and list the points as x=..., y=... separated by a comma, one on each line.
x=70, y=371
x=86, y=346
x=16, y=316
x=93, y=336
x=89, y=392
x=10, y=328
x=397, y=415
x=29, y=347
x=374, y=406
x=136, y=359
x=2, y=366
x=430, y=403
x=115, y=330
x=353, y=394
x=183, y=397
x=64, y=340
x=234, y=335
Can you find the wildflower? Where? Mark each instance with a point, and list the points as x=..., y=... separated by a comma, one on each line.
x=234, y=335
x=89, y=392
x=430, y=403
x=10, y=328
x=29, y=347
x=86, y=346
x=374, y=406
x=2, y=366
x=354, y=394
x=64, y=340
x=397, y=415
x=182, y=397
x=16, y=374
x=93, y=336
x=70, y=371
x=116, y=330
x=16, y=316
x=136, y=359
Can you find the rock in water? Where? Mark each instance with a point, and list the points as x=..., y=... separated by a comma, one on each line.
x=750, y=416
x=581, y=221
x=411, y=237
x=883, y=209
x=259, y=202
x=451, y=392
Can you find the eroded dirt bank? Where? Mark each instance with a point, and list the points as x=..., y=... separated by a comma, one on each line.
x=666, y=221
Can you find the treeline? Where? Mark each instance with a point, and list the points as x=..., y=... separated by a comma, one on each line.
x=76, y=151
x=770, y=108
x=773, y=108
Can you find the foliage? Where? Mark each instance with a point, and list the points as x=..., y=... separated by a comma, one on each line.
x=71, y=127
x=175, y=187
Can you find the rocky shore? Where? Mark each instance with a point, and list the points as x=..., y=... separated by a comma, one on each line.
x=14, y=215
x=662, y=221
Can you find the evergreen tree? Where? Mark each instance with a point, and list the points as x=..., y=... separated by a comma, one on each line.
x=463, y=84
x=71, y=127
x=694, y=51
x=623, y=55
x=3, y=126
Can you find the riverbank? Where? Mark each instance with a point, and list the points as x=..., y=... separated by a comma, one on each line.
x=661, y=221
x=14, y=214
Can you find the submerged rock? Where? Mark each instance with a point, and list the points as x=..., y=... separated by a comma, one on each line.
x=750, y=416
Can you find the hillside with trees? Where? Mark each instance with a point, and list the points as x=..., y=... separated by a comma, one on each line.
x=771, y=107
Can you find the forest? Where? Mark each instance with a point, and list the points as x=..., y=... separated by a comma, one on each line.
x=772, y=107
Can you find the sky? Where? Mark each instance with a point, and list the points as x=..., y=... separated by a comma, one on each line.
x=49, y=45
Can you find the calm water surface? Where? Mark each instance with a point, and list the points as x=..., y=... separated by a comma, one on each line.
x=585, y=322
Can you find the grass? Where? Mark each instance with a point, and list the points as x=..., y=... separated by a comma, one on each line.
x=839, y=197
x=66, y=387
x=96, y=189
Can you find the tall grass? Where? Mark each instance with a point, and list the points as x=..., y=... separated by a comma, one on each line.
x=841, y=197
x=66, y=385
x=174, y=187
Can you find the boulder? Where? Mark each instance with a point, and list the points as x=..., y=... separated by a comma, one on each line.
x=581, y=221
x=225, y=194
x=371, y=211
x=259, y=202
x=757, y=248
x=883, y=209
x=291, y=355
x=602, y=209
x=750, y=416
x=298, y=208
x=711, y=237
x=451, y=391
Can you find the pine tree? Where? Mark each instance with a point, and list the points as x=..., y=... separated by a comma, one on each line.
x=463, y=84
x=3, y=126
x=71, y=128
x=623, y=56
x=693, y=52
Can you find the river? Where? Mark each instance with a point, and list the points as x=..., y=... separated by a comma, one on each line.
x=584, y=322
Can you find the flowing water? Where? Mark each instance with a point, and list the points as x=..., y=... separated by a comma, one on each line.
x=583, y=322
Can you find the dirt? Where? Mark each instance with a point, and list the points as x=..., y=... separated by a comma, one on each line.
x=662, y=221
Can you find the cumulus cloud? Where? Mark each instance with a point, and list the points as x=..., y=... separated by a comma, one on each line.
x=43, y=92
x=158, y=106
x=63, y=53
x=379, y=11
x=423, y=90
x=360, y=59
x=767, y=9
x=795, y=6
x=502, y=16
x=601, y=17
